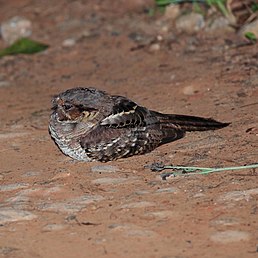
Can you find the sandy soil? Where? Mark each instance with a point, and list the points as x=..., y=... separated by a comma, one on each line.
x=52, y=206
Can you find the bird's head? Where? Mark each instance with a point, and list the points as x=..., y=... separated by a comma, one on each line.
x=78, y=104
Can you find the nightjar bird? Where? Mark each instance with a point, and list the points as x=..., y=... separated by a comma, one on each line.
x=88, y=125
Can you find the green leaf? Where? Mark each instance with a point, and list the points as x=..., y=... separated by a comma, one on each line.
x=254, y=7
x=24, y=46
x=251, y=36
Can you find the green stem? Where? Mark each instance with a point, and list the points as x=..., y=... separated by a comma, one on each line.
x=207, y=170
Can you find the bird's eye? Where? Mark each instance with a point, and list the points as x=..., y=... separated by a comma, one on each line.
x=86, y=113
x=67, y=106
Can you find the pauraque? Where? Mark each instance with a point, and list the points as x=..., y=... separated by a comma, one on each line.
x=88, y=125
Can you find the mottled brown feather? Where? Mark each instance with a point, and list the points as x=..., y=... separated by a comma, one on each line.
x=88, y=124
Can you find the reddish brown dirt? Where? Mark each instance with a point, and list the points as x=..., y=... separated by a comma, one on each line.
x=137, y=214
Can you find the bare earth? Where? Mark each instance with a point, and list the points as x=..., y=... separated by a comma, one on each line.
x=54, y=207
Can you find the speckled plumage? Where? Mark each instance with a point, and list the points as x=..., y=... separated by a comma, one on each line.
x=88, y=124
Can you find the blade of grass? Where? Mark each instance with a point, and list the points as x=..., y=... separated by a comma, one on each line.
x=202, y=170
x=219, y=4
x=167, y=2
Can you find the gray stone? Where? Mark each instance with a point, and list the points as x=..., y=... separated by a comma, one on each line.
x=140, y=233
x=18, y=201
x=131, y=230
x=104, y=169
x=70, y=205
x=11, y=215
x=220, y=25
x=225, y=221
x=53, y=227
x=142, y=192
x=11, y=187
x=190, y=23
x=167, y=190
x=15, y=28
x=8, y=135
x=31, y=174
x=4, y=84
x=22, y=201
x=236, y=196
x=7, y=250
x=229, y=236
x=199, y=195
x=142, y=204
x=109, y=181
x=163, y=214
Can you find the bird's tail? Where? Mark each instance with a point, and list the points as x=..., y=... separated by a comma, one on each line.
x=190, y=123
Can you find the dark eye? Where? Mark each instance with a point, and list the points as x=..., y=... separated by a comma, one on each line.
x=67, y=106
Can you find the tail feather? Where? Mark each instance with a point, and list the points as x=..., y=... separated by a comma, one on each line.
x=191, y=123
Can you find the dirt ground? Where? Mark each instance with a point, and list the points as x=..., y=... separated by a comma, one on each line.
x=54, y=207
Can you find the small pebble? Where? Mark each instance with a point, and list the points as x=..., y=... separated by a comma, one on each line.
x=189, y=90
x=172, y=77
x=172, y=11
x=190, y=23
x=86, y=33
x=199, y=195
x=15, y=28
x=154, y=47
x=69, y=42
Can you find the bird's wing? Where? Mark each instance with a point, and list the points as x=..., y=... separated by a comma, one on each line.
x=106, y=143
x=126, y=113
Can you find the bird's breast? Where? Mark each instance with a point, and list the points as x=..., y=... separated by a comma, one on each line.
x=67, y=137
